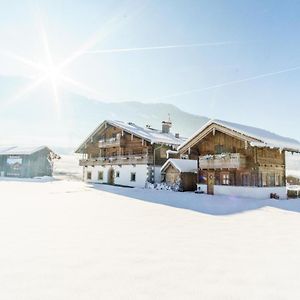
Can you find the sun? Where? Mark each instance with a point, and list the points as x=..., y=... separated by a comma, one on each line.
x=53, y=72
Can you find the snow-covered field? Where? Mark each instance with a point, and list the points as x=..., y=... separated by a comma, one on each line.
x=69, y=240
x=67, y=167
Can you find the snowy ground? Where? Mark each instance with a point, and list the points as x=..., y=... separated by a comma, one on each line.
x=68, y=240
x=67, y=167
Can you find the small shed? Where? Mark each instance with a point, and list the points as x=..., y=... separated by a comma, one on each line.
x=26, y=162
x=180, y=174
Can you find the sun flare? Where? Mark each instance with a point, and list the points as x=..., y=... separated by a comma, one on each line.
x=53, y=72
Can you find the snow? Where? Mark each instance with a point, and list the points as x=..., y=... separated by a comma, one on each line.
x=19, y=150
x=247, y=191
x=149, y=134
x=182, y=165
x=68, y=240
x=262, y=137
x=67, y=167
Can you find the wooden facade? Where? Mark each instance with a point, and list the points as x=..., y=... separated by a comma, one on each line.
x=113, y=144
x=232, y=160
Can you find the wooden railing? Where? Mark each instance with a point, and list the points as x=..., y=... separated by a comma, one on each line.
x=270, y=161
x=118, y=160
x=222, y=161
x=111, y=142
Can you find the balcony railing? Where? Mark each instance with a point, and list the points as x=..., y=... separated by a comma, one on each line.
x=118, y=160
x=111, y=142
x=222, y=161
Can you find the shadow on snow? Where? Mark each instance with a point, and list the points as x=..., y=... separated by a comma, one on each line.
x=212, y=205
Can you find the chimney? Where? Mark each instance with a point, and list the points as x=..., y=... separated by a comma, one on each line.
x=166, y=125
x=177, y=135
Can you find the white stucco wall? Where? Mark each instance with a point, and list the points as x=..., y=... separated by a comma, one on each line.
x=125, y=171
x=247, y=191
x=141, y=172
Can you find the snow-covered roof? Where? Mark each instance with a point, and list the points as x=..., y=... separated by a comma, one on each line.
x=182, y=165
x=19, y=150
x=152, y=135
x=257, y=137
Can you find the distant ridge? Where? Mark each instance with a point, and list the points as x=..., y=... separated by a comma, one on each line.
x=33, y=121
x=91, y=113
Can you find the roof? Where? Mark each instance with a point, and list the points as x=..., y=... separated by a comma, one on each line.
x=182, y=165
x=154, y=136
x=19, y=150
x=257, y=137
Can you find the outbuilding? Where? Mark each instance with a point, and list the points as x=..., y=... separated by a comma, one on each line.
x=26, y=162
x=180, y=174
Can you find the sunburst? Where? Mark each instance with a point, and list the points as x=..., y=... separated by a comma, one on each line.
x=53, y=73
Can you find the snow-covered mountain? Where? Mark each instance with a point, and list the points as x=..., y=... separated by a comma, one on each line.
x=90, y=113
x=33, y=119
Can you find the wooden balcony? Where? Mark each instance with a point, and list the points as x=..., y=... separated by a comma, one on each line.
x=222, y=161
x=133, y=159
x=112, y=142
x=270, y=161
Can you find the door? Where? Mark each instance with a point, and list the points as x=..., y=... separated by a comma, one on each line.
x=210, y=182
x=111, y=176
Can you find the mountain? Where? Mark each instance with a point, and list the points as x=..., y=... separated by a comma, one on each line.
x=90, y=113
x=33, y=119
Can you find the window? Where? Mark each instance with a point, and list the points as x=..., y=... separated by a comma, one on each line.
x=264, y=179
x=225, y=179
x=271, y=179
x=118, y=174
x=100, y=175
x=219, y=149
x=132, y=176
x=89, y=175
x=245, y=179
x=278, y=180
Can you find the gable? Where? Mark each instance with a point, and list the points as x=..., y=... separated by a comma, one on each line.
x=150, y=135
x=255, y=136
x=171, y=169
x=216, y=131
x=219, y=142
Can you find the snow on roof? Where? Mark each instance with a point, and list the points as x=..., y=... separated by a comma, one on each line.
x=152, y=135
x=19, y=150
x=260, y=137
x=182, y=165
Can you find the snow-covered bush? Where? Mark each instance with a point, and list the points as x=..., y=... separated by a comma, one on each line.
x=176, y=187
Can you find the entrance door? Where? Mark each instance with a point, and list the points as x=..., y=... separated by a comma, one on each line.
x=210, y=182
x=111, y=176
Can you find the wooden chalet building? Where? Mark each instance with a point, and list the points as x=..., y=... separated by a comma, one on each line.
x=126, y=154
x=26, y=162
x=233, y=158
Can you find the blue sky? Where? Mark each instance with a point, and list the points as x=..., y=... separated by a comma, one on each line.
x=235, y=42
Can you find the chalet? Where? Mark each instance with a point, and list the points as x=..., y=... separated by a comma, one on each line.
x=180, y=174
x=26, y=162
x=126, y=154
x=234, y=158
